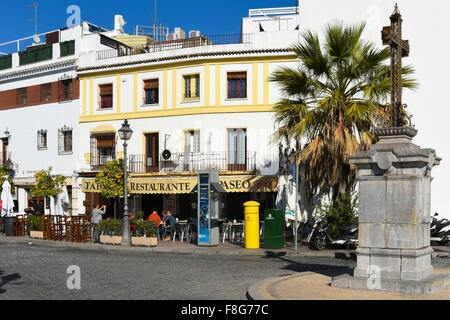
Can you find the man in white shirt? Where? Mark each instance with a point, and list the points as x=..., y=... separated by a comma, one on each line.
x=97, y=214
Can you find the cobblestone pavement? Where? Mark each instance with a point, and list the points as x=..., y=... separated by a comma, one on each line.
x=39, y=272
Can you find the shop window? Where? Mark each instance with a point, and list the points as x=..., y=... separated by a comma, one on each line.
x=42, y=140
x=65, y=90
x=65, y=141
x=103, y=149
x=21, y=96
x=151, y=89
x=191, y=87
x=106, y=96
x=237, y=85
x=46, y=92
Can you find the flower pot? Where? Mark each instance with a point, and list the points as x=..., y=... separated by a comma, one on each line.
x=110, y=240
x=145, y=242
x=37, y=234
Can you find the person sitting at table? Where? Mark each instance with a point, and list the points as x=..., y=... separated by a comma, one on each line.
x=155, y=217
x=162, y=226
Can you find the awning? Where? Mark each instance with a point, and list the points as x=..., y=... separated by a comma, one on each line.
x=188, y=185
x=105, y=128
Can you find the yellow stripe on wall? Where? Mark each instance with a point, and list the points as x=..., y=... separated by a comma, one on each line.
x=174, y=88
x=255, y=83
x=91, y=92
x=84, y=97
x=166, y=90
x=207, y=85
x=218, y=86
x=119, y=94
x=266, y=83
x=135, y=91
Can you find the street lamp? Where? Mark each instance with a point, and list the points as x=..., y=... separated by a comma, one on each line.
x=125, y=134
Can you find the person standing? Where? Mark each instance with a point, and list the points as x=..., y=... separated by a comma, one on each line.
x=97, y=214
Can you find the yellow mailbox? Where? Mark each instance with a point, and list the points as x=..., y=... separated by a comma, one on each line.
x=252, y=225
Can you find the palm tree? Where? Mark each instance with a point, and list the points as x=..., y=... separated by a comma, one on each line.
x=335, y=99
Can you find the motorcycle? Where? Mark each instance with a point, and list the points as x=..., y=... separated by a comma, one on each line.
x=439, y=230
x=348, y=238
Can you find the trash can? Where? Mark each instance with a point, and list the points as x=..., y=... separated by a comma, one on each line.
x=273, y=229
x=8, y=226
x=252, y=225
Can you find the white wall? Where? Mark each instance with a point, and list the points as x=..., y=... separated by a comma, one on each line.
x=425, y=25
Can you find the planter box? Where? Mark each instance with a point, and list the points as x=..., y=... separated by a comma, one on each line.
x=110, y=240
x=146, y=242
x=37, y=234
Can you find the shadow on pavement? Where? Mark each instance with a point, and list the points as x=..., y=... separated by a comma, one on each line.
x=324, y=269
x=6, y=279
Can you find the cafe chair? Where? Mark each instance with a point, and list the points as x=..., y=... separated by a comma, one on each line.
x=178, y=230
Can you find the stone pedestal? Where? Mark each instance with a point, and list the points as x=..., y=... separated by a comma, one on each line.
x=394, y=252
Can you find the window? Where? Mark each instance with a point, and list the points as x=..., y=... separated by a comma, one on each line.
x=42, y=140
x=151, y=88
x=237, y=149
x=65, y=90
x=191, y=87
x=192, y=141
x=65, y=141
x=106, y=96
x=21, y=96
x=237, y=85
x=103, y=149
x=46, y=92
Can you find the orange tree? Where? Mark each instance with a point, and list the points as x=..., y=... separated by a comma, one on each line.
x=48, y=185
x=111, y=181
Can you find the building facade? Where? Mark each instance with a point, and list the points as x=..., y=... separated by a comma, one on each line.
x=194, y=102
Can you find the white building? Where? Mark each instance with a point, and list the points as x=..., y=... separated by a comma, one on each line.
x=40, y=109
x=205, y=99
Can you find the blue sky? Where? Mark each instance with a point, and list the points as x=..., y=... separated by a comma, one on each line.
x=210, y=17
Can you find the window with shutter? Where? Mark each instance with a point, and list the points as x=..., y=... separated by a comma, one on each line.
x=21, y=96
x=46, y=92
x=237, y=85
x=65, y=141
x=191, y=87
x=151, y=88
x=106, y=96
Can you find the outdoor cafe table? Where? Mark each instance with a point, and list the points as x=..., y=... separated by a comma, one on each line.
x=231, y=227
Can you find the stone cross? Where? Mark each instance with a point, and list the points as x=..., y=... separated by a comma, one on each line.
x=392, y=36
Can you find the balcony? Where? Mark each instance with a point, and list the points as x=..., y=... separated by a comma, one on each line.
x=174, y=45
x=193, y=162
x=98, y=161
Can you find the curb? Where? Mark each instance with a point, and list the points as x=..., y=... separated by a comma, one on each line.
x=253, y=293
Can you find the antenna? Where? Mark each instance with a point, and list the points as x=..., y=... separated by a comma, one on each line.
x=35, y=5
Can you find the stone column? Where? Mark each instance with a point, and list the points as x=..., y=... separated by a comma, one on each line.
x=394, y=252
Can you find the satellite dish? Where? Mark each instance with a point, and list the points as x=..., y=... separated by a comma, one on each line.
x=167, y=155
x=36, y=39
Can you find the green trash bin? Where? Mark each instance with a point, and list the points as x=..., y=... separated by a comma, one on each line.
x=273, y=229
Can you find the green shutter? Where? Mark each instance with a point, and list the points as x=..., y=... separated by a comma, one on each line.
x=67, y=48
x=36, y=54
x=6, y=62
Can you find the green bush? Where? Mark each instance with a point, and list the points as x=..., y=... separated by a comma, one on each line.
x=146, y=229
x=110, y=227
x=343, y=211
x=35, y=223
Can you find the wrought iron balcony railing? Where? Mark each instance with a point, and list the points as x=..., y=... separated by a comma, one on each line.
x=175, y=44
x=194, y=161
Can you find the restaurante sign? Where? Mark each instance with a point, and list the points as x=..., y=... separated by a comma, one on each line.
x=184, y=186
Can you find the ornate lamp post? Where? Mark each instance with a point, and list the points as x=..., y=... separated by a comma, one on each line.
x=125, y=134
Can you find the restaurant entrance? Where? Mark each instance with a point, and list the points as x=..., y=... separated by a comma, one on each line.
x=152, y=202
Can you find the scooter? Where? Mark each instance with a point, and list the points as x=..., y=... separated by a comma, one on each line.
x=348, y=238
x=439, y=230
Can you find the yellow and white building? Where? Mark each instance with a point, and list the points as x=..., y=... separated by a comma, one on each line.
x=205, y=99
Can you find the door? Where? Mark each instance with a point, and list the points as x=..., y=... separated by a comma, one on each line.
x=152, y=152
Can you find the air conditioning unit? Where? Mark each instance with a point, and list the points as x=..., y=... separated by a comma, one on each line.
x=171, y=37
x=194, y=34
x=180, y=34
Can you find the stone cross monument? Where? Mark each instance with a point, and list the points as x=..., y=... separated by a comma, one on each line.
x=394, y=252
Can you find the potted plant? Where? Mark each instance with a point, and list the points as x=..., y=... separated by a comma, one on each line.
x=145, y=234
x=35, y=225
x=110, y=231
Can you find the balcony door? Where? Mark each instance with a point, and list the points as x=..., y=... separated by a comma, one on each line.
x=152, y=152
x=237, y=150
